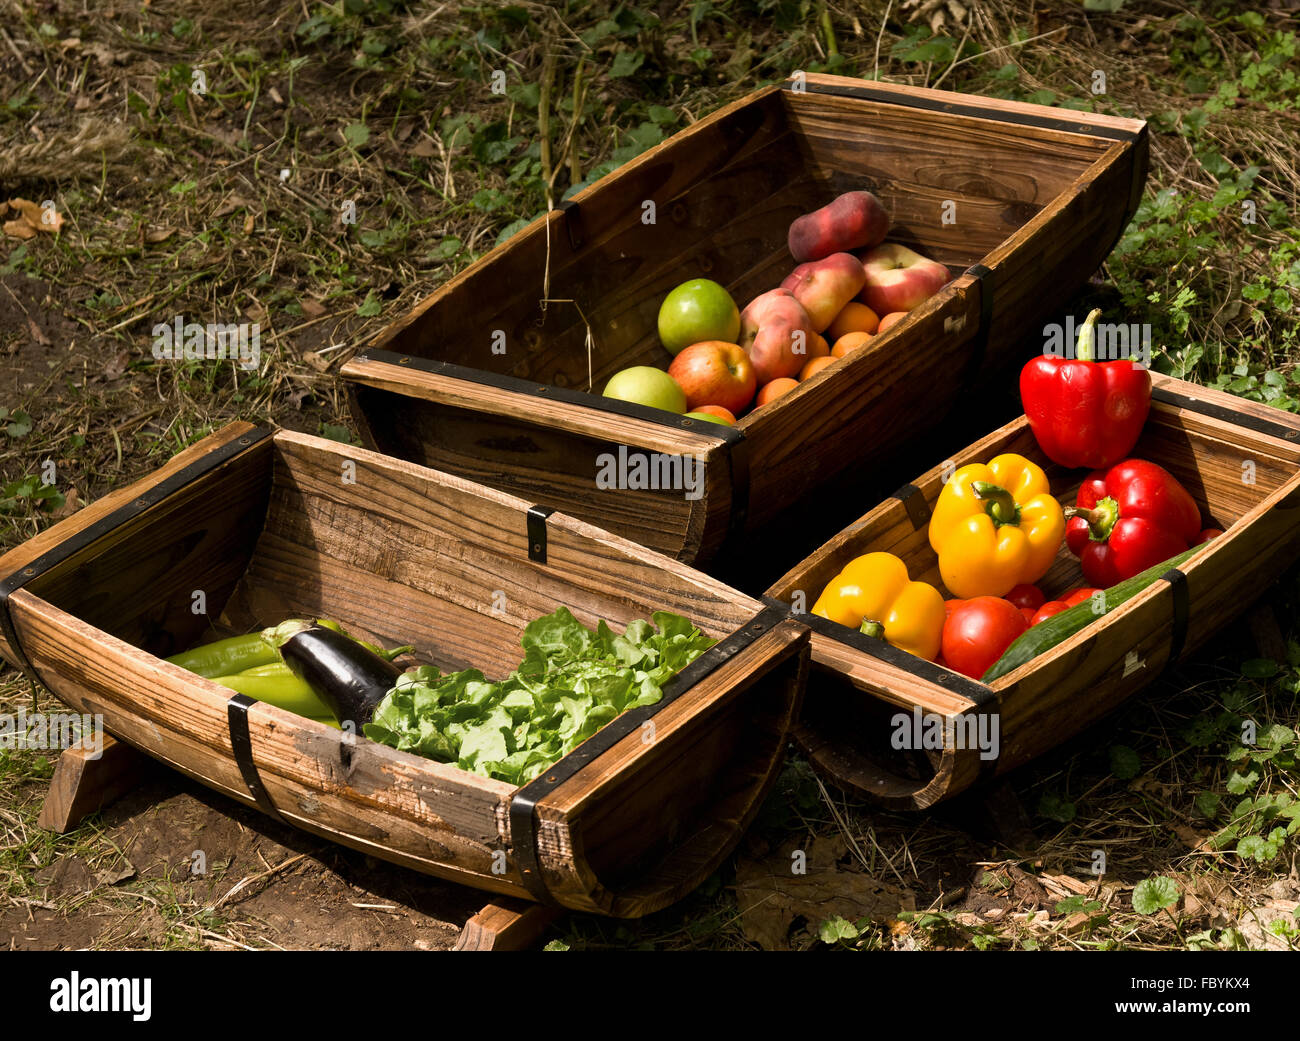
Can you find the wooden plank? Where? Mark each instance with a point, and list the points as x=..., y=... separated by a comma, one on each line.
x=506, y=925
x=87, y=778
x=995, y=106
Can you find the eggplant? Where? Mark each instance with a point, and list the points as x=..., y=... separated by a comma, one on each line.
x=350, y=679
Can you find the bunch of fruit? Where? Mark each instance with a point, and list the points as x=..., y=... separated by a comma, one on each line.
x=727, y=359
x=996, y=529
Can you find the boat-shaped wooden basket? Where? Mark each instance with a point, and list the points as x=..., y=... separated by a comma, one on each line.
x=489, y=377
x=1241, y=463
x=271, y=525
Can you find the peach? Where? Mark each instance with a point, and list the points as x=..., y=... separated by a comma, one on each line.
x=854, y=220
x=854, y=318
x=777, y=332
x=769, y=392
x=891, y=319
x=849, y=342
x=815, y=366
x=899, y=278
x=825, y=286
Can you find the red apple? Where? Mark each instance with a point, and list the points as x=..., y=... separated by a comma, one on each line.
x=898, y=278
x=778, y=334
x=714, y=372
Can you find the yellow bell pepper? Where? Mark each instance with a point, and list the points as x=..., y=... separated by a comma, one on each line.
x=874, y=594
x=995, y=526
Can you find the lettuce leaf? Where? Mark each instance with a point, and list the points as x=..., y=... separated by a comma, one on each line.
x=571, y=682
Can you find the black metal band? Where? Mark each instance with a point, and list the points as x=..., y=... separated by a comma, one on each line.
x=82, y=539
x=980, y=342
x=959, y=108
x=739, y=460
x=918, y=510
x=979, y=694
x=1206, y=408
x=523, y=816
x=573, y=223
x=1178, y=623
x=241, y=746
x=537, y=532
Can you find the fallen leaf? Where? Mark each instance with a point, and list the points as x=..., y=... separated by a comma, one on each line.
x=311, y=308
x=105, y=55
x=31, y=219
x=111, y=877
x=116, y=365
x=37, y=335
x=316, y=361
x=425, y=148
x=71, y=504
x=235, y=202
x=771, y=898
x=1192, y=838
x=250, y=222
x=156, y=235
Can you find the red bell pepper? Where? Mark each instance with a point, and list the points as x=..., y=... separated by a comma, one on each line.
x=1129, y=518
x=1084, y=412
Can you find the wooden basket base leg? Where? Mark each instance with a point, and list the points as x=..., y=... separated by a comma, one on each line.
x=506, y=925
x=84, y=782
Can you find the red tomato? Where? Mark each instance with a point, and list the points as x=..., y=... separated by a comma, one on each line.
x=1026, y=595
x=1077, y=595
x=978, y=631
x=1206, y=535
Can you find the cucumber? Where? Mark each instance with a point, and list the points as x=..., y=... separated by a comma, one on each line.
x=1060, y=627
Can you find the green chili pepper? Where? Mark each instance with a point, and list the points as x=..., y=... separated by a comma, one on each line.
x=284, y=691
x=228, y=656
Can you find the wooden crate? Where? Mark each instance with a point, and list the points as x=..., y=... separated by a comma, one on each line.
x=276, y=525
x=1038, y=198
x=858, y=685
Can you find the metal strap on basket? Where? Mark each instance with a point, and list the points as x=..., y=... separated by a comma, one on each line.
x=241, y=746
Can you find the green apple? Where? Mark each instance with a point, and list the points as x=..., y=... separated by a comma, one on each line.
x=695, y=311
x=647, y=385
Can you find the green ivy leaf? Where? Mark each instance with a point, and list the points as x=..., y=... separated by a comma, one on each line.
x=20, y=425
x=626, y=63
x=837, y=929
x=1053, y=807
x=1207, y=805
x=356, y=135
x=1154, y=894
x=1124, y=762
x=370, y=306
